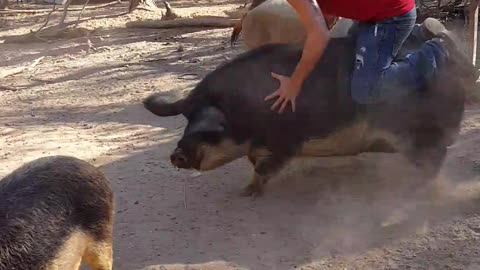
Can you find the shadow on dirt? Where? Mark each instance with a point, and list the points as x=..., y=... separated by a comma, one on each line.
x=187, y=68
x=102, y=39
x=192, y=63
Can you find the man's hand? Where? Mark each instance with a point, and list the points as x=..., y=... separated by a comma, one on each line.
x=287, y=92
x=315, y=43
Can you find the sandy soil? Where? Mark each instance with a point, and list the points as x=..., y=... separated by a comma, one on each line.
x=318, y=214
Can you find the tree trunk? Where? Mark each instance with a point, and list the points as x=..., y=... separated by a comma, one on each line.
x=3, y=4
x=65, y=10
x=146, y=4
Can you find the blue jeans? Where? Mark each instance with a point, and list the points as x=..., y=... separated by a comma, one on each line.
x=378, y=76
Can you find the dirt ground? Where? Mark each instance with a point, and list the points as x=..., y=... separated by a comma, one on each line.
x=318, y=214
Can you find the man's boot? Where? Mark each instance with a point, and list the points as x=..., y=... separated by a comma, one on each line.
x=433, y=29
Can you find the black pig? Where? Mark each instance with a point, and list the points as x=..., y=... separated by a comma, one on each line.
x=228, y=117
x=54, y=212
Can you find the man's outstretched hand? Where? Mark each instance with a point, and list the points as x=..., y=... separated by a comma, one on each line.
x=287, y=92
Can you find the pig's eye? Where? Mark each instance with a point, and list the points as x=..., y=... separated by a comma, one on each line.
x=185, y=145
x=211, y=136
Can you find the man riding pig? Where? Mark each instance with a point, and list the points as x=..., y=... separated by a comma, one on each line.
x=228, y=117
x=383, y=27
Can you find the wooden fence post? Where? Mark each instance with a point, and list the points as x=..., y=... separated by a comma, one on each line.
x=472, y=29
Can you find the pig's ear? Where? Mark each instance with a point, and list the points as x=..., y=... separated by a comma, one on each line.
x=160, y=105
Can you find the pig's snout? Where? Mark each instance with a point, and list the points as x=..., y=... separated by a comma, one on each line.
x=179, y=159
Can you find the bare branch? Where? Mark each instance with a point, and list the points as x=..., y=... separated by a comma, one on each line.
x=81, y=12
x=47, y=19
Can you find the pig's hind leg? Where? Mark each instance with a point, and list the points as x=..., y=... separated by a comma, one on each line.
x=428, y=162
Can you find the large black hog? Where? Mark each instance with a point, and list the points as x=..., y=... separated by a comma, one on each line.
x=228, y=117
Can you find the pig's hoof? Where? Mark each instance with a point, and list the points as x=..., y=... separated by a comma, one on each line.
x=252, y=190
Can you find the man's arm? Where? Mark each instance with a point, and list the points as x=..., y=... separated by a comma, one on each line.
x=316, y=41
x=317, y=37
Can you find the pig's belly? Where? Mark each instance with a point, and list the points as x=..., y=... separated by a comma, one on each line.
x=351, y=140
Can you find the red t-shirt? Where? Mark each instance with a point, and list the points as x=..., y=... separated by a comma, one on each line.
x=366, y=10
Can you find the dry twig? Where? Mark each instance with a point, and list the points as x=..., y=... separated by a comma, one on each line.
x=13, y=71
x=9, y=88
x=185, y=194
